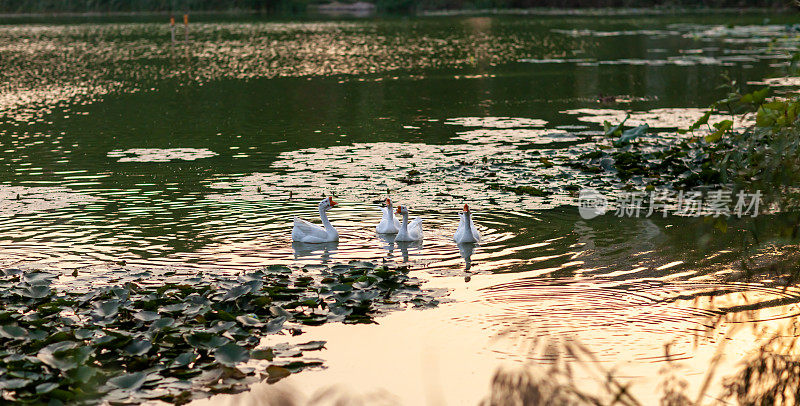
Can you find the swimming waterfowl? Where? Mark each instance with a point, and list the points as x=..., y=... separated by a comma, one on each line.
x=303, y=231
x=466, y=231
x=409, y=231
x=389, y=223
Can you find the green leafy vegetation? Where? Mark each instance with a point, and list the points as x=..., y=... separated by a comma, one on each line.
x=763, y=155
x=178, y=341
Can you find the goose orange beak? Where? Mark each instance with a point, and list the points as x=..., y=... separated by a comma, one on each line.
x=388, y=202
x=330, y=200
x=398, y=209
x=466, y=208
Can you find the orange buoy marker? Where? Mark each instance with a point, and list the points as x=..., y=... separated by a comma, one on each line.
x=186, y=28
x=172, y=28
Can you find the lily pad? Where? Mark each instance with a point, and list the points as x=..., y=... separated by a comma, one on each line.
x=266, y=354
x=276, y=373
x=138, y=348
x=130, y=382
x=231, y=354
x=108, y=308
x=312, y=345
x=13, y=332
x=146, y=315
x=183, y=360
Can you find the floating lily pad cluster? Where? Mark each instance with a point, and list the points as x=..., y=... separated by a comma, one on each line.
x=763, y=155
x=178, y=341
x=671, y=164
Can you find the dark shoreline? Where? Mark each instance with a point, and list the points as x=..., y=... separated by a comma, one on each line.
x=536, y=11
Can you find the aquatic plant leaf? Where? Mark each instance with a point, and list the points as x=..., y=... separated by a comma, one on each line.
x=275, y=325
x=221, y=326
x=266, y=354
x=38, y=278
x=231, y=354
x=146, y=315
x=614, y=130
x=46, y=387
x=174, y=308
x=279, y=268
x=64, y=355
x=341, y=287
x=129, y=382
x=249, y=321
x=13, y=332
x=138, y=348
x=205, y=340
x=235, y=293
x=756, y=97
x=162, y=323
x=14, y=383
x=35, y=291
x=278, y=311
x=766, y=117
x=276, y=373
x=721, y=127
x=312, y=319
x=82, y=373
x=703, y=120
x=631, y=134
x=366, y=295
x=183, y=360
x=108, y=308
x=83, y=333
x=312, y=345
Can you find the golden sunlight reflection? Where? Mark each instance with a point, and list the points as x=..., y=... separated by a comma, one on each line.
x=510, y=321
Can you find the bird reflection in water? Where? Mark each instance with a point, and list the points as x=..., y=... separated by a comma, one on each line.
x=465, y=249
x=404, y=246
x=304, y=249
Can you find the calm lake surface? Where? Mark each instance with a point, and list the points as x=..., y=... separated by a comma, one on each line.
x=122, y=152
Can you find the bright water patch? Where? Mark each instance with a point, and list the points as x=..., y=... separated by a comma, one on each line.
x=160, y=155
x=430, y=177
x=528, y=309
x=680, y=118
x=20, y=200
x=520, y=137
x=495, y=122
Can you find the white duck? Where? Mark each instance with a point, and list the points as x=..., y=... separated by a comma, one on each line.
x=466, y=232
x=303, y=231
x=409, y=231
x=389, y=223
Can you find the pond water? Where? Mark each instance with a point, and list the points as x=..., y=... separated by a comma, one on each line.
x=120, y=150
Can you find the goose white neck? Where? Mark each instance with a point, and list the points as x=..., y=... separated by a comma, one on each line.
x=324, y=216
x=405, y=222
x=468, y=224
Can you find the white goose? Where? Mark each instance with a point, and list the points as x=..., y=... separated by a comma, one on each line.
x=303, y=231
x=389, y=223
x=409, y=231
x=466, y=232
